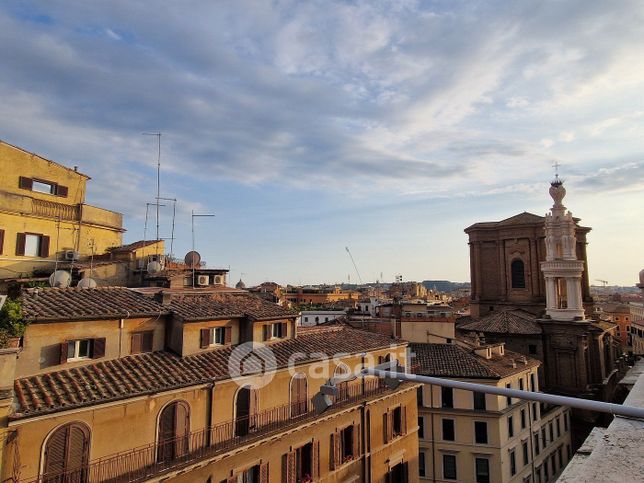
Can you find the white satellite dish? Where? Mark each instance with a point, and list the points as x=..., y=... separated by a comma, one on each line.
x=154, y=267
x=86, y=282
x=60, y=279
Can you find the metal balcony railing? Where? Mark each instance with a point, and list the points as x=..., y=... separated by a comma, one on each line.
x=139, y=464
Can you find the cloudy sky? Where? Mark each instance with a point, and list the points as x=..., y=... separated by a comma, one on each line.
x=308, y=126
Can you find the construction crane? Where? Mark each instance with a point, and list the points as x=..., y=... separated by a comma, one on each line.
x=604, y=282
x=354, y=264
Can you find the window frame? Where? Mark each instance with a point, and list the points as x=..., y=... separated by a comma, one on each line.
x=447, y=402
x=446, y=423
x=213, y=336
x=455, y=467
x=488, y=476
x=52, y=187
x=77, y=346
x=479, y=424
x=38, y=238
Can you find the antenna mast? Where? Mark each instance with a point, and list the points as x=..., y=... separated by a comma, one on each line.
x=354, y=264
x=158, y=135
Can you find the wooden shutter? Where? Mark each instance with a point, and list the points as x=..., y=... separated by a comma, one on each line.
x=20, y=244
x=98, y=348
x=228, y=335
x=55, y=452
x=403, y=420
x=263, y=473
x=405, y=471
x=25, y=183
x=288, y=467
x=385, y=428
x=205, y=338
x=356, y=440
x=77, y=450
x=62, y=191
x=182, y=430
x=283, y=330
x=44, y=246
x=1, y=241
x=253, y=408
x=63, y=352
x=136, y=343
x=333, y=454
x=315, y=460
x=267, y=331
x=147, y=341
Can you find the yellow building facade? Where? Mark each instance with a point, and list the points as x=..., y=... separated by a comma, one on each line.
x=113, y=384
x=43, y=215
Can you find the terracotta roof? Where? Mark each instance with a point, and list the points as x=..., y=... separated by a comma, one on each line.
x=225, y=305
x=45, y=304
x=136, y=375
x=512, y=321
x=134, y=246
x=452, y=360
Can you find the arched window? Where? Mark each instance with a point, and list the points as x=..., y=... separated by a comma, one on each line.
x=174, y=430
x=518, y=274
x=299, y=394
x=67, y=455
x=246, y=405
x=343, y=388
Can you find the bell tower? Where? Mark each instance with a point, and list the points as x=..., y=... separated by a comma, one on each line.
x=562, y=271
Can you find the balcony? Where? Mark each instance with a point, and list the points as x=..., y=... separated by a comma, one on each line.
x=142, y=463
x=99, y=216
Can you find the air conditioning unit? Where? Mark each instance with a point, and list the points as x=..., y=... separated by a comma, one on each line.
x=219, y=279
x=203, y=280
x=71, y=255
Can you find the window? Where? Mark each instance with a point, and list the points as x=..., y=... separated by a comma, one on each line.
x=67, y=452
x=536, y=443
x=347, y=447
x=558, y=427
x=521, y=384
x=535, y=411
x=513, y=463
x=299, y=394
x=142, y=341
x=545, y=470
x=217, y=336
x=566, y=416
x=532, y=349
x=78, y=349
x=252, y=474
x=421, y=427
x=447, y=397
x=510, y=427
x=551, y=431
x=277, y=330
x=448, y=429
x=533, y=387
x=421, y=463
x=560, y=454
x=568, y=452
x=544, y=442
x=526, y=455
x=306, y=319
x=173, y=431
x=43, y=187
x=518, y=274
x=508, y=399
x=479, y=401
x=482, y=470
x=419, y=396
x=449, y=466
x=523, y=421
x=32, y=245
x=480, y=432
x=553, y=463
x=304, y=462
x=397, y=421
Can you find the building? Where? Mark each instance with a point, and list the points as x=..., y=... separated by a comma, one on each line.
x=44, y=216
x=482, y=438
x=323, y=295
x=116, y=384
x=419, y=321
x=620, y=315
x=309, y=318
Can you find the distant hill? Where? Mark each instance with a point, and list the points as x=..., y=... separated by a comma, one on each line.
x=445, y=285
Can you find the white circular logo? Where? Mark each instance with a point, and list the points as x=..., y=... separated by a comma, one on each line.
x=252, y=364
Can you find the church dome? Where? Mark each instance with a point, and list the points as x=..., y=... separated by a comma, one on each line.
x=240, y=284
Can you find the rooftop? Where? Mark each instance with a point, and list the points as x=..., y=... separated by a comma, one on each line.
x=510, y=321
x=135, y=245
x=193, y=307
x=141, y=374
x=452, y=360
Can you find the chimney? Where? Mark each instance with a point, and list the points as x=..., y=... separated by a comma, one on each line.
x=514, y=363
x=76, y=168
x=164, y=298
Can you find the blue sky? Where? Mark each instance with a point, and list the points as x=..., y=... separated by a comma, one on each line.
x=306, y=127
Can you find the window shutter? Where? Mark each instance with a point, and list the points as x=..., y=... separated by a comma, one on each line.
x=267, y=331
x=284, y=329
x=385, y=429
x=1, y=241
x=98, y=348
x=390, y=425
x=20, y=244
x=263, y=473
x=403, y=419
x=228, y=335
x=288, y=467
x=62, y=191
x=253, y=408
x=147, y=342
x=232, y=479
x=182, y=430
x=25, y=183
x=44, y=246
x=315, y=460
x=136, y=343
x=405, y=471
x=55, y=452
x=63, y=352
x=77, y=450
x=205, y=338
x=356, y=440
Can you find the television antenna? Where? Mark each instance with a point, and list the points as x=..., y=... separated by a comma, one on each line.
x=193, y=216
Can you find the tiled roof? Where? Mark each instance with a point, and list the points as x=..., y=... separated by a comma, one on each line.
x=512, y=321
x=134, y=246
x=224, y=305
x=76, y=304
x=452, y=360
x=149, y=373
x=524, y=218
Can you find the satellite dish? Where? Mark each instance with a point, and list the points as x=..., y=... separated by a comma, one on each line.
x=60, y=279
x=86, y=283
x=192, y=259
x=154, y=267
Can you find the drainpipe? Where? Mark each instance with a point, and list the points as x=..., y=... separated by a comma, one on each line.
x=209, y=404
x=366, y=461
x=431, y=402
x=531, y=440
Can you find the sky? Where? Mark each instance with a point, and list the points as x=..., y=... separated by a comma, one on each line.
x=310, y=126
